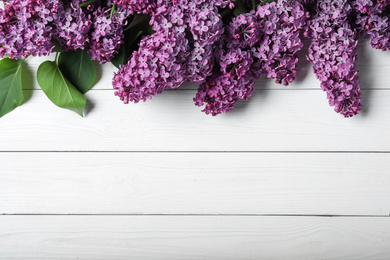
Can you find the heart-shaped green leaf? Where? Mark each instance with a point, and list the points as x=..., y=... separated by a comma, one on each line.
x=11, y=90
x=78, y=68
x=130, y=44
x=59, y=89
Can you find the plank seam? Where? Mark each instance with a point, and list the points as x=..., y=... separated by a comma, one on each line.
x=202, y=215
x=281, y=152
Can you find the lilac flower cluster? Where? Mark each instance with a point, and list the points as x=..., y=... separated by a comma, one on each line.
x=107, y=33
x=180, y=50
x=156, y=66
x=223, y=45
x=140, y=6
x=232, y=78
x=372, y=20
x=73, y=26
x=257, y=43
x=333, y=54
x=276, y=55
x=26, y=27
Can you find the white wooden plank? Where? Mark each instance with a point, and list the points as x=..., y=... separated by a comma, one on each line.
x=127, y=237
x=273, y=120
x=195, y=183
x=373, y=65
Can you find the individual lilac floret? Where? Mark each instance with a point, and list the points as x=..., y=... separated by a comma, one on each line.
x=156, y=66
x=26, y=27
x=333, y=54
x=372, y=21
x=107, y=35
x=276, y=52
x=72, y=26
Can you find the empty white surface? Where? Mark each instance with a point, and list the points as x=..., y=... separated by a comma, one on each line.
x=189, y=237
x=161, y=180
x=196, y=183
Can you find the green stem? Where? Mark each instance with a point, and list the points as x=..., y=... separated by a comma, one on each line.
x=87, y=3
x=254, y=5
x=113, y=8
x=56, y=58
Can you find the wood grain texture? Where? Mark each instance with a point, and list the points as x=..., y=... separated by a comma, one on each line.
x=128, y=237
x=195, y=183
x=273, y=120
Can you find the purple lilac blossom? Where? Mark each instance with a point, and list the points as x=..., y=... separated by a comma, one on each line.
x=253, y=46
x=333, y=54
x=107, y=32
x=232, y=77
x=153, y=6
x=202, y=23
x=276, y=53
x=26, y=27
x=73, y=25
x=372, y=20
x=139, y=6
x=156, y=66
x=180, y=50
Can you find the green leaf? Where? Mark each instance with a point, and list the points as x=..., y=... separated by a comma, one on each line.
x=130, y=44
x=57, y=47
x=11, y=90
x=239, y=8
x=139, y=22
x=59, y=89
x=78, y=68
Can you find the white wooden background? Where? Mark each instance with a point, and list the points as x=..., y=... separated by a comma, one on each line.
x=280, y=177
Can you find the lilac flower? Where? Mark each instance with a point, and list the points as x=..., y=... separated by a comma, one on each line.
x=222, y=91
x=156, y=66
x=26, y=27
x=202, y=23
x=107, y=33
x=72, y=26
x=276, y=52
x=180, y=50
x=262, y=42
x=372, y=20
x=333, y=54
x=232, y=78
x=140, y=6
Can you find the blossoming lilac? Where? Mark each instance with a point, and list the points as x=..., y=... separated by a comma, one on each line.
x=333, y=54
x=107, y=32
x=372, y=21
x=26, y=27
x=156, y=66
x=72, y=26
x=257, y=43
x=232, y=78
x=276, y=53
